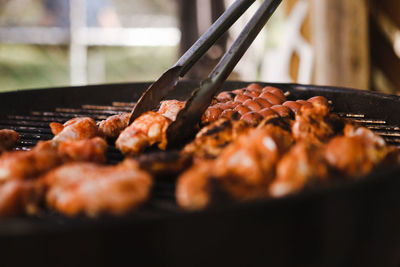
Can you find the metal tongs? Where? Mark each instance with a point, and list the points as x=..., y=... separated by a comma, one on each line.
x=187, y=119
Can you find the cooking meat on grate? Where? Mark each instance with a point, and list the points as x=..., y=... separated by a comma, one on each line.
x=356, y=153
x=114, y=125
x=149, y=129
x=303, y=164
x=213, y=138
x=91, y=150
x=19, y=197
x=244, y=169
x=8, y=139
x=92, y=189
x=75, y=129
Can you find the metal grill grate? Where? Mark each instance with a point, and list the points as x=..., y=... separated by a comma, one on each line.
x=34, y=127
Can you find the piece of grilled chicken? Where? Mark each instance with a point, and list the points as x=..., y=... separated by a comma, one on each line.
x=213, y=138
x=357, y=152
x=92, y=189
x=244, y=169
x=75, y=129
x=114, y=125
x=19, y=197
x=8, y=139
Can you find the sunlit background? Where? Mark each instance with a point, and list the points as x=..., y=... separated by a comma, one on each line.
x=50, y=43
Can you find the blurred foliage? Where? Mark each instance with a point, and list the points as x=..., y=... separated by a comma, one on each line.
x=28, y=66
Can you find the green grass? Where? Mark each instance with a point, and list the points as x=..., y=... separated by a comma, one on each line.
x=27, y=66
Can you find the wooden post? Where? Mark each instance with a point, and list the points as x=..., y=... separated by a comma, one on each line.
x=340, y=39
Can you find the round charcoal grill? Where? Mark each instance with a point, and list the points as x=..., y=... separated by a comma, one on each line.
x=353, y=223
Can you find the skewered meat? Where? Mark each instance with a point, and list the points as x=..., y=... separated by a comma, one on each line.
x=149, y=129
x=74, y=129
x=356, y=153
x=92, y=150
x=248, y=102
x=213, y=138
x=19, y=196
x=114, y=125
x=314, y=123
x=29, y=164
x=303, y=163
x=8, y=139
x=95, y=189
x=171, y=108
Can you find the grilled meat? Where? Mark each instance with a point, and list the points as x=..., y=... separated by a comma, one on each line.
x=304, y=162
x=149, y=129
x=247, y=166
x=29, y=164
x=192, y=187
x=95, y=189
x=114, y=125
x=314, y=123
x=19, y=197
x=8, y=139
x=213, y=138
x=74, y=129
x=91, y=150
x=357, y=152
x=171, y=108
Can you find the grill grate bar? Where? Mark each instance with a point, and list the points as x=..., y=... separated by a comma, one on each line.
x=67, y=115
x=36, y=118
x=38, y=124
x=89, y=111
x=106, y=108
x=350, y=115
x=123, y=104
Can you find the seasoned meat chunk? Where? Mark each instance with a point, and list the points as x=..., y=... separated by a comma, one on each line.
x=149, y=129
x=92, y=150
x=171, y=108
x=114, y=125
x=94, y=189
x=74, y=129
x=303, y=163
x=8, y=139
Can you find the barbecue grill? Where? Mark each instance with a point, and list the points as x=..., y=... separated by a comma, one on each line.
x=349, y=223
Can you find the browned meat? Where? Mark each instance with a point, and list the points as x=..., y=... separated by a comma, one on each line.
x=149, y=129
x=171, y=108
x=247, y=166
x=356, y=153
x=19, y=197
x=74, y=129
x=213, y=138
x=314, y=123
x=304, y=162
x=192, y=192
x=92, y=150
x=29, y=164
x=114, y=125
x=8, y=139
x=95, y=189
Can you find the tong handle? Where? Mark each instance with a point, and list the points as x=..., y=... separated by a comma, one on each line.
x=220, y=26
x=190, y=115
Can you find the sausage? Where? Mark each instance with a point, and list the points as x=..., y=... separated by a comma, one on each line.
x=319, y=100
x=230, y=114
x=263, y=102
x=232, y=104
x=222, y=106
x=252, y=117
x=294, y=106
x=241, y=98
x=278, y=93
x=242, y=109
x=211, y=114
x=225, y=96
x=253, y=105
x=254, y=87
x=273, y=99
x=251, y=94
x=238, y=91
x=267, y=112
x=283, y=111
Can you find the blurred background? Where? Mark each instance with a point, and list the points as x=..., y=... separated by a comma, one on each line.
x=49, y=43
